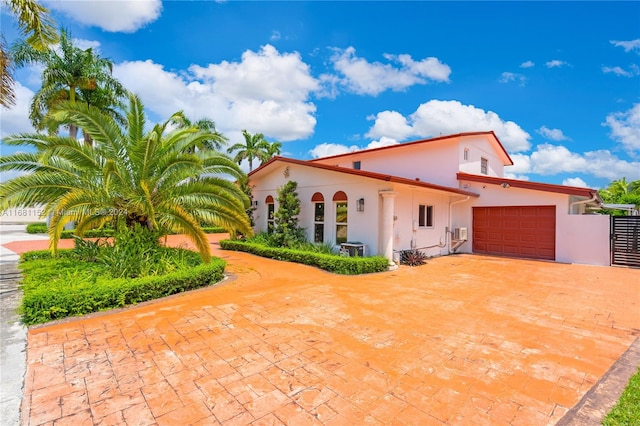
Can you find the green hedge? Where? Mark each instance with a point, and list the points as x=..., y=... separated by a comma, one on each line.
x=328, y=262
x=41, y=228
x=79, y=289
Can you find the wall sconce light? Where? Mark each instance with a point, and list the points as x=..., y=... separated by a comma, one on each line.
x=505, y=185
x=360, y=205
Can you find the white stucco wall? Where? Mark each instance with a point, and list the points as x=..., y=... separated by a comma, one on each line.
x=406, y=226
x=433, y=161
x=362, y=226
x=579, y=238
x=585, y=239
x=479, y=148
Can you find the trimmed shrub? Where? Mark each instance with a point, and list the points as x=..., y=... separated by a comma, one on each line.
x=63, y=286
x=41, y=228
x=37, y=228
x=329, y=262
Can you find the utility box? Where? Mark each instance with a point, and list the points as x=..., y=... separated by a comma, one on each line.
x=460, y=234
x=353, y=249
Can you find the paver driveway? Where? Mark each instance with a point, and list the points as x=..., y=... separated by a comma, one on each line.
x=461, y=340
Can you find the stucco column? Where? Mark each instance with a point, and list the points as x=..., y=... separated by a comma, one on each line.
x=386, y=224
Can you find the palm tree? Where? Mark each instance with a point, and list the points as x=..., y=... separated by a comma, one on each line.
x=152, y=179
x=35, y=24
x=70, y=74
x=271, y=150
x=217, y=141
x=254, y=147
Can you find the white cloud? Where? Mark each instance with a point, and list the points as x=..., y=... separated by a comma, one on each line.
x=384, y=141
x=372, y=78
x=508, y=77
x=627, y=45
x=527, y=64
x=509, y=175
x=622, y=72
x=445, y=117
x=275, y=36
x=329, y=149
x=436, y=118
x=550, y=159
x=556, y=63
x=553, y=134
x=390, y=124
x=521, y=164
x=16, y=119
x=112, y=16
x=625, y=127
x=575, y=181
x=6, y=176
x=266, y=92
x=85, y=44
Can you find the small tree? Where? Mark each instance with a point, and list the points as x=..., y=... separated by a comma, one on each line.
x=287, y=232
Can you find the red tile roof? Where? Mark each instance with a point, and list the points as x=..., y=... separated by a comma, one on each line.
x=536, y=186
x=364, y=173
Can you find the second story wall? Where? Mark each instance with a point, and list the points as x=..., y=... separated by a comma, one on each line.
x=473, y=151
x=435, y=161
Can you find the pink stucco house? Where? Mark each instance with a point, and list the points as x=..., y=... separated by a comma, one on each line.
x=441, y=195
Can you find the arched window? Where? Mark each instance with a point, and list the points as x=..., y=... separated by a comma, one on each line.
x=271, y=213
x=342, y=215
x=318, y=217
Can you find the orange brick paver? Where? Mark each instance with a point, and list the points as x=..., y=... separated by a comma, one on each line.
x=469, y=340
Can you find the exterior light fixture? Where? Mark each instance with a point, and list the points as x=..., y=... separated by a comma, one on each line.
x=360, y=205
x=505, y=185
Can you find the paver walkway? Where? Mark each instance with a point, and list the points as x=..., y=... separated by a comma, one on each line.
x=462, y=340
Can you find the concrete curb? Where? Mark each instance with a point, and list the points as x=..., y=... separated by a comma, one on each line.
x=601, y=398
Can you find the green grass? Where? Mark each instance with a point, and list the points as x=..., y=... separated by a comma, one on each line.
x=627, y=411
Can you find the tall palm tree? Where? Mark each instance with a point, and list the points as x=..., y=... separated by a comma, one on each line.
x=271, y=150
x=35, y=24
x=70, y=74
x=153, y=179
x=217, y=141
x=254, y=147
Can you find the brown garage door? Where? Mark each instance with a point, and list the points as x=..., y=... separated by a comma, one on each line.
x=518, y=231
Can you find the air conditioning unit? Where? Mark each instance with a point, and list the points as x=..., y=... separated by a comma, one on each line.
x=460, y=234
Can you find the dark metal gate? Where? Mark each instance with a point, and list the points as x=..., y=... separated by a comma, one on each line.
x=625, y=240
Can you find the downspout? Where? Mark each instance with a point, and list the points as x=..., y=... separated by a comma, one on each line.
x=449, y=232
x=594, y=197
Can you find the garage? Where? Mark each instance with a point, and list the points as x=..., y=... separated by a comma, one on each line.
x=515, y=231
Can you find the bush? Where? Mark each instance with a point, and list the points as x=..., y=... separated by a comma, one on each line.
x=329, y=262
x=37, y=228
x=41, y=228
x=62, y=286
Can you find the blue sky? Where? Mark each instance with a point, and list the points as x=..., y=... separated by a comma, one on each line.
x=559, y=82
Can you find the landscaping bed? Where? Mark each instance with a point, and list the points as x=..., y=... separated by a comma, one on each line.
x=327, y=261
x=70, y=285
x=41, y=228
